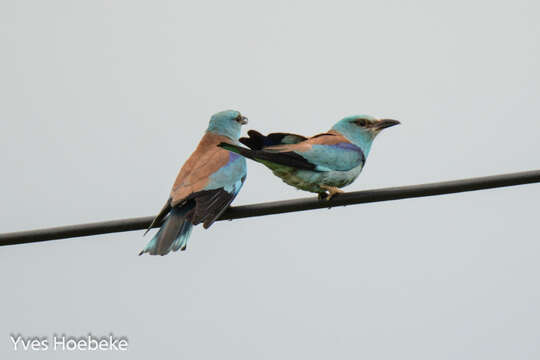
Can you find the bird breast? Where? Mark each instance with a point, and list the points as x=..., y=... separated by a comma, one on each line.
x=309, y=180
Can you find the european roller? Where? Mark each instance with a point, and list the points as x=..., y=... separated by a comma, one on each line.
x=205, y=186
x=321, y=164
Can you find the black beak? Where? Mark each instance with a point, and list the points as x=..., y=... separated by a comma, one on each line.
x=385, y=123
x=243, y=120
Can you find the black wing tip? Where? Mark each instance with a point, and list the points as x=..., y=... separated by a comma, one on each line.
x=258, y=141
x=254, y=141
x=254, y=133
x=159, y=217
x=210, y=204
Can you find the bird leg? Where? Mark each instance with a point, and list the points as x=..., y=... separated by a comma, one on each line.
x=332, y=190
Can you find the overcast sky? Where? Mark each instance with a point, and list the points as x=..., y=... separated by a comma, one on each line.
x=102, y=101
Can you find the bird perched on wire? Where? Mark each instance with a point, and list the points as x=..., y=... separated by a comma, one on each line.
x=321, y=164
x=205, y=186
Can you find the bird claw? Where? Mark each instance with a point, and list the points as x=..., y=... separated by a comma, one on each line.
x=332, y=191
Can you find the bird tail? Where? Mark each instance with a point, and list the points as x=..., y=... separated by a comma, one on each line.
x=173, y=234
x=273, y=160
x=250, y=154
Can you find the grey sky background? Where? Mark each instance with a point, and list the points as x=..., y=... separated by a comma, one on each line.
x=103, y=101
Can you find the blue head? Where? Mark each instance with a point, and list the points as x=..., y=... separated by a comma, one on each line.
x=362, y=129
x=227, y=123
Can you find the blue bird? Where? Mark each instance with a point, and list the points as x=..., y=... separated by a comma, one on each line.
x=321, y=164
x=206, y=185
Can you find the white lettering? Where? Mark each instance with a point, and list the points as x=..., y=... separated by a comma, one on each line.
x=92, y=343
x=123, y=344
x=71, y=343
x=103, y=344
x=45, y=344
x=33, y=343
x=57, y=343
x=15, y=341
x=82, y=344
x=113, y=343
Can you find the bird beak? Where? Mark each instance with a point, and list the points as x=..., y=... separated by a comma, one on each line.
x=243, y=120
x=385, y=123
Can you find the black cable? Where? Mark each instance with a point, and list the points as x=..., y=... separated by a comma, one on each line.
x=280, y=207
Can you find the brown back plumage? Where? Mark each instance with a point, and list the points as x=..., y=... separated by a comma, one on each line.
x=331, y=137
x=205, y=160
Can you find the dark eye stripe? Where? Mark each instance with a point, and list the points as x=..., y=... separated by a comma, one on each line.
x=361, y=122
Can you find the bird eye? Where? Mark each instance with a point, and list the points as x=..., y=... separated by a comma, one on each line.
x=361, y=122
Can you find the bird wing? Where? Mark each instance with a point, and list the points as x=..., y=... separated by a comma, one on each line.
x=257, y=141
x=211, y=177
x=329, y=151
x=219, y=193
x=195, y=174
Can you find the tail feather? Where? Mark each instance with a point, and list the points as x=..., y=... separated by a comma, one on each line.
x=173, y=234
x=183, y=236
x=271, y=159
x=162, y=213
x=250, y=154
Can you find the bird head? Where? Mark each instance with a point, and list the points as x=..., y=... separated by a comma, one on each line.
x=362, y=129
x=227, y=123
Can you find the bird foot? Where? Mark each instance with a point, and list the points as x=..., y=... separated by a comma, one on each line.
x=332, y=190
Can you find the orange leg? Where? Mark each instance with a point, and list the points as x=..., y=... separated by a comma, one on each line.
x=332, y=190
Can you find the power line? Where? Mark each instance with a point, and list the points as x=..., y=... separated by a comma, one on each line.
x=280, y=207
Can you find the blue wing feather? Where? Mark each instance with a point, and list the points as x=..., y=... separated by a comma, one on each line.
x=337, y=157
x=221, y=190
x=229, y=177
